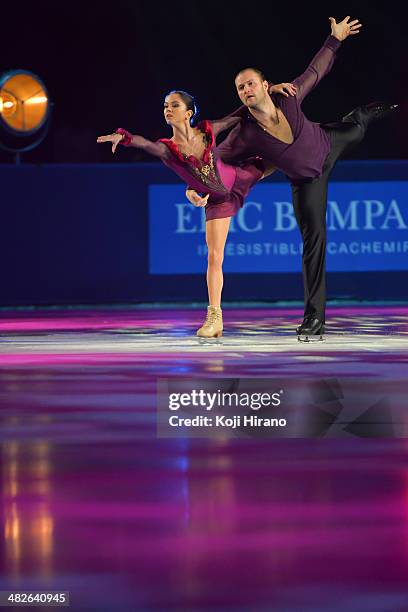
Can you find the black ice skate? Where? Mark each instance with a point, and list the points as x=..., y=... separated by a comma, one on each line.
x=369, y=112
x=311, y=330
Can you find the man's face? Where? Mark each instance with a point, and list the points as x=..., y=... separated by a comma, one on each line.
x=251, y=89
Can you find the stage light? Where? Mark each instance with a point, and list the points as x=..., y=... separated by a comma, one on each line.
x=25, y=111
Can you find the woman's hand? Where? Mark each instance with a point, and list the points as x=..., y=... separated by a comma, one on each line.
x=282, y=88
x=113, y=138
x=193, y=197
x=344, y=28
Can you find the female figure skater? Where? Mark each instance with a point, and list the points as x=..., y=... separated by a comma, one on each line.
x=191, y=153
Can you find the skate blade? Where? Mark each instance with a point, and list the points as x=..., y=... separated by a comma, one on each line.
x=215, y=340
x=312, y=338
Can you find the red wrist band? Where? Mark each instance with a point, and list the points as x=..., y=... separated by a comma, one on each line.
x=127, y=137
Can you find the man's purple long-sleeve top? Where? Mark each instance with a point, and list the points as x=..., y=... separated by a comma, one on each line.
x=304, y=158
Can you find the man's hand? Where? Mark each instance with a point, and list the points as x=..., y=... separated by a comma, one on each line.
x=193, y=197
x=282, y=88
x=344, y=28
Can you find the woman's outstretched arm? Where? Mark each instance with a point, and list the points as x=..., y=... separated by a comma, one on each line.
x=123, y=137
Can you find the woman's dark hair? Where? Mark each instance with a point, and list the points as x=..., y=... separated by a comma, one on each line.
x=188, y=100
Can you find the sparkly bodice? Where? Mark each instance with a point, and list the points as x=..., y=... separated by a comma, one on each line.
x=206, y=170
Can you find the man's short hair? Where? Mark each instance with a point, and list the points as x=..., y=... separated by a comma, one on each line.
x=258, y=72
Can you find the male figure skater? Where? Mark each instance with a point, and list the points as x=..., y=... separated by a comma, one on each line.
x=276, y=129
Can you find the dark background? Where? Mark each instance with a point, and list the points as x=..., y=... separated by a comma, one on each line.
x=109, y=64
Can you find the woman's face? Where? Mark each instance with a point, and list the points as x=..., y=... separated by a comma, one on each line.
x=175, y=110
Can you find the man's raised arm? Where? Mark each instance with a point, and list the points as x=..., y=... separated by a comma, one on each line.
x=323, y=60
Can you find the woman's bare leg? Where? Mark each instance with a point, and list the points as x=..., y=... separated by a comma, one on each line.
x=216, y=237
